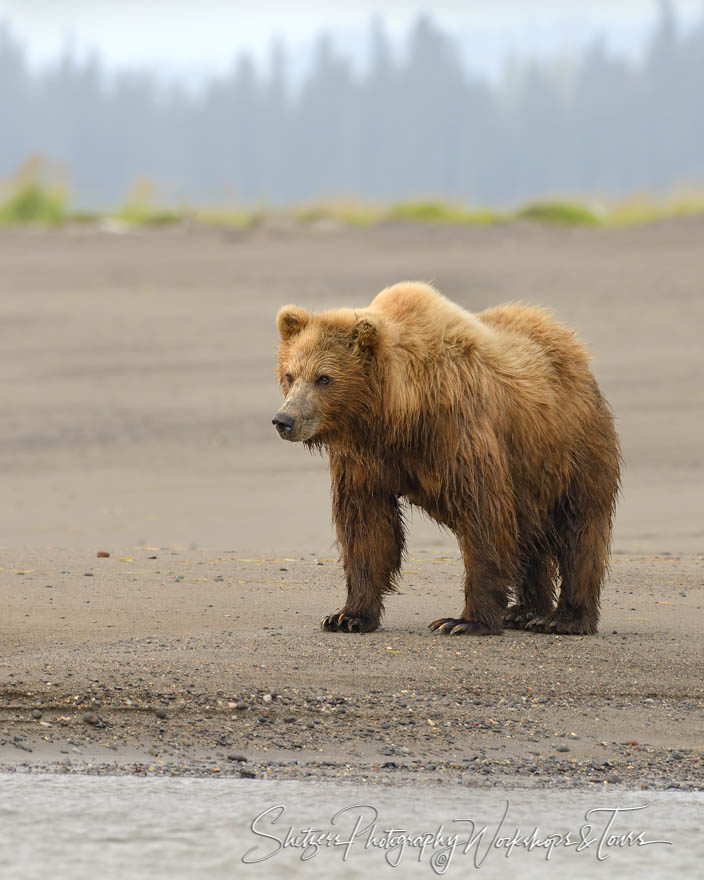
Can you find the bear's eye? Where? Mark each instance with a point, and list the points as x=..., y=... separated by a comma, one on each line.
x=289, y=378
x=322, y=380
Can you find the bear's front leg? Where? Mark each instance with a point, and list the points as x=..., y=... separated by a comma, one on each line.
x=370, y=535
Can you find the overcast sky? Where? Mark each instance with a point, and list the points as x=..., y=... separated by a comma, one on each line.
x=192, y=39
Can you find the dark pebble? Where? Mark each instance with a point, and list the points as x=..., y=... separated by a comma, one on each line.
x=247, y=774
x=36, y=714
x=160, y=713
x=239, y=758
x=562, y=748
x=613, y=777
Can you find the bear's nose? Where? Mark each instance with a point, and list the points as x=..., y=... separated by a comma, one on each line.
x=283, y=423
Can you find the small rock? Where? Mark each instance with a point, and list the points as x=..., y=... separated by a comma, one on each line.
x=239, y=758
x=562, y=748
x=267, y=698
x=240, y=705
x=613, y=777
x=36, y=714
x=91, y=718
x=317, y=562
x=247, y=774
x=103, y=554
x=161, y=713
x=88, y=574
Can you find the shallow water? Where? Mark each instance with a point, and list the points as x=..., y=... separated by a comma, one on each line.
x=125, y=827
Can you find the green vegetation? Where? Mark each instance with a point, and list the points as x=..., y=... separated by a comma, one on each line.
x=228, y=217
x=141, y=215
x=639, y=210
x=439, y=212
x=138, y=209
x=29, y=198
x=559, y=213
x=338, y=211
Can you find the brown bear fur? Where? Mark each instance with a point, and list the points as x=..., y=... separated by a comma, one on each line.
x=492, y=423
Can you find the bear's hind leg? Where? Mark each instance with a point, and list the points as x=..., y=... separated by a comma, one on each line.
x=582, y=552
x=535, y=592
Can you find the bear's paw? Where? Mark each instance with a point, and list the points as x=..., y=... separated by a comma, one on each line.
x=343, y=621
x=560, y=623
x=458, y=626
x=518, y=617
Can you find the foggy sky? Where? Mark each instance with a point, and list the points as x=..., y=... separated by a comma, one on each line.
x=185, y=39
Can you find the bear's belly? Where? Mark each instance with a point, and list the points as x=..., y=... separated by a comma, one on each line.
x=432, y=505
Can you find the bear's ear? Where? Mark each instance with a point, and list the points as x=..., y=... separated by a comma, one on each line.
x=365, y=336
x=290, y=321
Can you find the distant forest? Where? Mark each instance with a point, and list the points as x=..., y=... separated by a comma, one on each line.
x=420, y=126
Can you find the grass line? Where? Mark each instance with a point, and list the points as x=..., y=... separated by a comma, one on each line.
x=29, y=199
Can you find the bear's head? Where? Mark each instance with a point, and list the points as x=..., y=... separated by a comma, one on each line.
x=327, y=372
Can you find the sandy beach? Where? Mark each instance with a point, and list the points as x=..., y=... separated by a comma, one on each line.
x=137, y=401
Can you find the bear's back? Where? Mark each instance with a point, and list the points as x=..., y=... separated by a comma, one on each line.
x=559, y=344
x=521, y=346
x=421, y=316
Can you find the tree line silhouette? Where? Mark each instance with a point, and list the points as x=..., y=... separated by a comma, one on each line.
x=421, y=126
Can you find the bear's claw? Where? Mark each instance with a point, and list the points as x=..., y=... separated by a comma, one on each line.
x=342, y=622
x=558, y=623
x=518, y=617
x=456, y=626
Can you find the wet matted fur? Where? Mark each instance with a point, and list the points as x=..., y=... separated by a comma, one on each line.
x=492, y=423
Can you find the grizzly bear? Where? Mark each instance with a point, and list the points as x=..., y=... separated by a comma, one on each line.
x=492, y=423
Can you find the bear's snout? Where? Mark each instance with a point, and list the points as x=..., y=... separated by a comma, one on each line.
x=283, y=423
